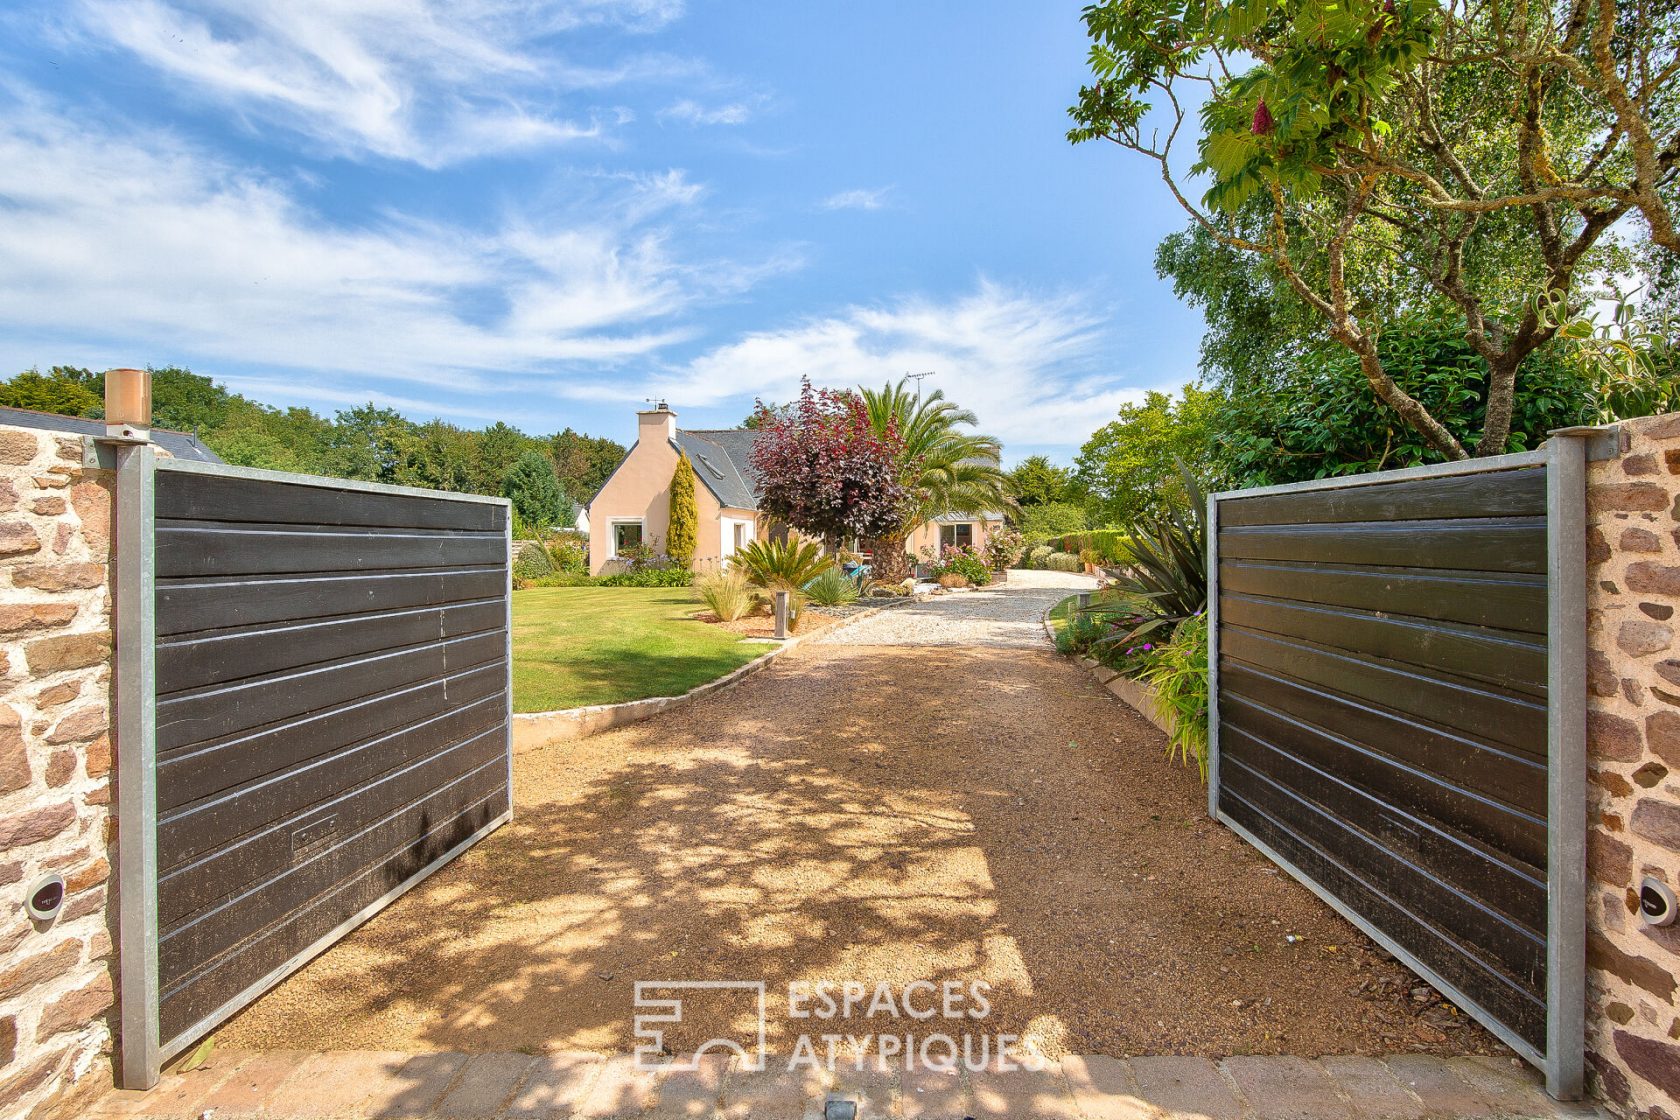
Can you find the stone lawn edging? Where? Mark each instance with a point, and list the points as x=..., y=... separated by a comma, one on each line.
x=538, y=729
x=1134, y=694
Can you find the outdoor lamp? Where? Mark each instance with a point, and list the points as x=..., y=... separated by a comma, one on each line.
x=128, y=404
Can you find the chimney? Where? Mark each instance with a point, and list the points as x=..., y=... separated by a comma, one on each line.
x=657, y=423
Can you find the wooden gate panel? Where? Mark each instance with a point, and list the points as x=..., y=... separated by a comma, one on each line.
x=1384, y=661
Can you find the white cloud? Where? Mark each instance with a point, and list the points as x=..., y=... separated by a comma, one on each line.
x=859, y=199
x=428, y=81
x=133, y=239
x=692, y=112
x=1022, y=362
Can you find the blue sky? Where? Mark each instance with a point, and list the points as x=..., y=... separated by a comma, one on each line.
x=544, y=211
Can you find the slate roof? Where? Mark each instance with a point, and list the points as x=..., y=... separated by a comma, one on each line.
x=722, y=459
x=179, y=444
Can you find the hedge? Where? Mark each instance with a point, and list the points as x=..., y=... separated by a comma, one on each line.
x=1110, y=545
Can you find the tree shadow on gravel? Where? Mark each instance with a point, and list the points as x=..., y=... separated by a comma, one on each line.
x=870, y=814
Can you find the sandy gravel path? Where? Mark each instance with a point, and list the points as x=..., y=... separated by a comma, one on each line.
x=933, y=794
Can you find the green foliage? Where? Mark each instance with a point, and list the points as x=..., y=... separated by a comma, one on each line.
x=535, y=495
x=1632, y=359
x=1064, y=562
x=1110, y=546
x=648, y=576
x=781, y=565
x=833, y=588
x=685, y=514
x=961, y=560
x=1127, y=464
x=1177, y=672
x=1003, y=547
x=368, y=443
x=726, y=593
x=1036, y=481
x=1165, y=580
x=64, y=390
x=1052, y=519
x=530, y=562
x=569, y=550
x=1038, y=556
x=562, y=579
x=1321, y=419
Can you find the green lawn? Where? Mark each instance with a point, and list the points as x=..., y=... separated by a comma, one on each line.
x=603, y=645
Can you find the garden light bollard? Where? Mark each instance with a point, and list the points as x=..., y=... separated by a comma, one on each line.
x=781, y=615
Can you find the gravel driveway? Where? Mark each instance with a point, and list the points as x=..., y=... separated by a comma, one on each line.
x=932, y=794
x=1009, y=614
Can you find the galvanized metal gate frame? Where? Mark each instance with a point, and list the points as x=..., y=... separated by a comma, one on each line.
x=1564, y=457
x=142, y=1050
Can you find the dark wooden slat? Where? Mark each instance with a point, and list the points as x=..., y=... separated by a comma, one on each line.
x=1514, y=1003
x=184, y=496
x=190, y=549
x=1515, y=544
x=1504, y=602
x=1490, y=494
x=190, y=831
x=203, y=715
x=234, y=867
x=1478, y=710
x=1506, y=660
x=1435, y=858
x=221, y=656
x=209, y=984
x=186, y=606
x=188, y=776
x=205, y=936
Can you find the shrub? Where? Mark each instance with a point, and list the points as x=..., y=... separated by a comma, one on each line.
x=530, y=561
x=1003, y=547
x=1049, y=519
x=1039, y=556
x=781, y=565
x=685, y=515
x=1177, y=672
x=1063, y=562
x=953, y=579
x=964, y=560
x=1106, y=546
x=569, y=552
x=1167, y=575
x=832, y=589
x=535, y=493
x=649, y=576
x=726, y=594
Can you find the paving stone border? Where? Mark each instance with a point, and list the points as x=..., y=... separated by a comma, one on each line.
x=1134, y=694
x=360, y=1085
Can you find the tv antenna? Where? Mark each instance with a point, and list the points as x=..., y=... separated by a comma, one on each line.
x=917, y=378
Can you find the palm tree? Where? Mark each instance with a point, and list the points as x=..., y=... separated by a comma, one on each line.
x=948, y=469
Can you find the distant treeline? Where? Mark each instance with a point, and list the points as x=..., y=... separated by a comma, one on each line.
x=368, y=443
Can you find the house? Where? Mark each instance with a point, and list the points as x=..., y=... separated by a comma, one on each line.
x=180, y=445
x=633, y=507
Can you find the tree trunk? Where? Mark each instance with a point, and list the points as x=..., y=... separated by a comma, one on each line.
x=1502, y=389
x=1411, y=410
x=887, y=559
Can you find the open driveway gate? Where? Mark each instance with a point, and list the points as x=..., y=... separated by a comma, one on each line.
x=1396, y=662
x=313, y=714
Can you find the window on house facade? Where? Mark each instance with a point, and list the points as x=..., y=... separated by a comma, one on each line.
x=627, y=535
x=956, y=535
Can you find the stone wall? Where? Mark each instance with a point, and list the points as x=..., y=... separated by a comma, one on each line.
x=56, y=979
x=1633, y=727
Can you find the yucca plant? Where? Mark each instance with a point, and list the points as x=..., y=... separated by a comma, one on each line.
x=833, y=588
x=781, y=565
x=1165, y=575
x=726, y=594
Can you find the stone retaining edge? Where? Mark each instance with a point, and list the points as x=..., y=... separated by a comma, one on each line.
x=539, y=729
x=1134, y=694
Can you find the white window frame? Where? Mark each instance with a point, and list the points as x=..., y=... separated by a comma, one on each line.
x=612, y=533
x=726, y=534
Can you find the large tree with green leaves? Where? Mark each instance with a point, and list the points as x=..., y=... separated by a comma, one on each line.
x=946, y=466
x=537, y=500
x=1385, y=155
x=1036, y=481
x=1129, y=467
